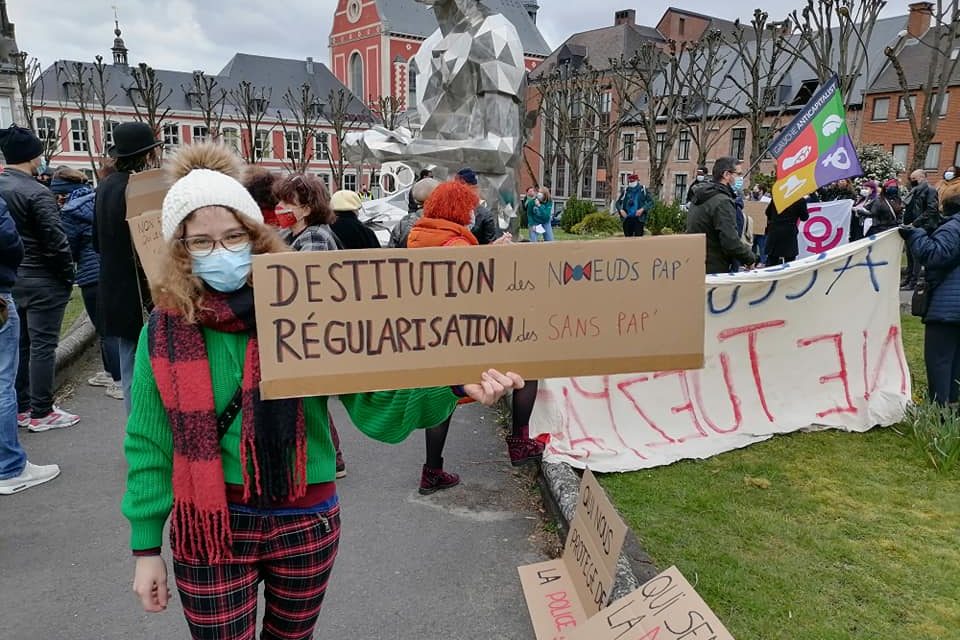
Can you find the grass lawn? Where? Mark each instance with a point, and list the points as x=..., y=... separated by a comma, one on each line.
x=74, y=311
x=856, y=537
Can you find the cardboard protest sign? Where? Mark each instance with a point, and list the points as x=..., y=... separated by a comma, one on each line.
x=561, y=594
x=339, y=322
x=811, y=345
x=664, y=608
x=758, y=214
x=145, y=192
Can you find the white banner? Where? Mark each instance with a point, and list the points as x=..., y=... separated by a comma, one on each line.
x=812, y=345
x=827, y=228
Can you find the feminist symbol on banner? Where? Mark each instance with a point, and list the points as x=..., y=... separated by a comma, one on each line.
x=824, y=241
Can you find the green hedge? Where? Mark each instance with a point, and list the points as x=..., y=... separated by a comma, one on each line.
x=597, y=223
x=666, y=219
x=574, y=211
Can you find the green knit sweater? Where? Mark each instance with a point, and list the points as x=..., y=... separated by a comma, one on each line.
x=387, y=416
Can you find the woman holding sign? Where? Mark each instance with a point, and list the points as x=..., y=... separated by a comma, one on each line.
x=250, y=483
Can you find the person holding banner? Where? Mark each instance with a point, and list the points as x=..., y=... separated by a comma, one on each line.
x=714, y=214
x=250, y=483
x=939, y=253
x=781, y=243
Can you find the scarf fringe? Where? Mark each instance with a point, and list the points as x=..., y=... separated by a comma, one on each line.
x=200, y=534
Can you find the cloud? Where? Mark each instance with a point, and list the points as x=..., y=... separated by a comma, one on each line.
x=185, y=35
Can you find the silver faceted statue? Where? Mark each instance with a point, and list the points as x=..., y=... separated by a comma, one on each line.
x=471, y=89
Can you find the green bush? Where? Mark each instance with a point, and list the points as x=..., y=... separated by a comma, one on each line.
x=597, y=223
x=666, y=219
x=574, y=212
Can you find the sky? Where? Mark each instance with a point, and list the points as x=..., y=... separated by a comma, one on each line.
x=187, y=35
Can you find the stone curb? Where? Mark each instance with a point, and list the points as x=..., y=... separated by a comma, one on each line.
x=560, y=486
x=78, y=339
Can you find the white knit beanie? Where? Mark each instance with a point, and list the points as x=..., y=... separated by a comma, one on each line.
x=206, y=175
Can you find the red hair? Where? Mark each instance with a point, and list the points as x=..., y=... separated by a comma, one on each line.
x=453, y=201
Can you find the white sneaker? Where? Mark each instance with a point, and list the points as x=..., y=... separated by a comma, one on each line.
x=33, y=474
x=56, y=419
x=114, y=391
x=23, y=419
x=102, y=379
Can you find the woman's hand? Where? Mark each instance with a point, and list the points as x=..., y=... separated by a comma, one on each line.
x=150, y=583
x=504, y=239
x=492, y=386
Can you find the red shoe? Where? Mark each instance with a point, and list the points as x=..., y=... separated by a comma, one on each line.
x=432, y=480
x=523, y=450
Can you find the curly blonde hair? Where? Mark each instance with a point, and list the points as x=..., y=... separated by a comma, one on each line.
x=180, y=290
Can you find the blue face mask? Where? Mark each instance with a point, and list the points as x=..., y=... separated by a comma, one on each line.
x=225, y=271
x=738, y=184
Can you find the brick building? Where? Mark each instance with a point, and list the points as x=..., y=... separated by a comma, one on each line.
x=82, y=140
x=734, y=135
x=373, y=41
x=886, y=116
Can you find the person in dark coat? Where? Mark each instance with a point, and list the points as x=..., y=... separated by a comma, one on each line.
x=713, y=213
x=122, y=312
x=16, y=472
x=939, y=253
x=44, y=280
x=484, y=228
x=401, y=231
x=886, y=211
x=77, y=214
x=921, y=205
x=352, y=233
x=781, y=242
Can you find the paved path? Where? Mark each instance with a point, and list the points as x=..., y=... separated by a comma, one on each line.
x=409, y=567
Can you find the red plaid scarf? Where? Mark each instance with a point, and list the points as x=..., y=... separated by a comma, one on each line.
x=273, y=451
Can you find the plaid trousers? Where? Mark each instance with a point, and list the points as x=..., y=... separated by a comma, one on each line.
x=292, y=554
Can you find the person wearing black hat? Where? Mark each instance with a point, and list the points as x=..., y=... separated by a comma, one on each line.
x=44, y=279
x=484, y=225
x=122, y=311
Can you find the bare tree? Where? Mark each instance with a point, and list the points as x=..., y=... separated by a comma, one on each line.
x=76, y=78
x=653, y=93
x=250, y=105
x=103, y=97
x=570, y=104
x=306, y=117
x=207, y=96
x=703, y=73
x=387, y=111
x=149, y=97
x=342, y=117
x=833, y=37
x=32, y=89
x=939, y=44
x=763, y=60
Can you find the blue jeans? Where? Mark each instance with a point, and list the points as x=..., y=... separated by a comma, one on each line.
x=12, y=456
x=128, y=349
x=547, y=234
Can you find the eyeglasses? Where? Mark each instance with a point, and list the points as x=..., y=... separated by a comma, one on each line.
x=202, y=246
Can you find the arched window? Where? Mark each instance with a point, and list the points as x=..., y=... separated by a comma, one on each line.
x=356, y=74
x=411, y=87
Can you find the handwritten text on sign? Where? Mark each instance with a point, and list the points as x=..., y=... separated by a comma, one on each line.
x=666, y=608
x=145, y=193
x=816, y=343
x=335, y=322
x=561, y=594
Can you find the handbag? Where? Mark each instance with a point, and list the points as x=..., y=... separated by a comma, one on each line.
x=920, y=302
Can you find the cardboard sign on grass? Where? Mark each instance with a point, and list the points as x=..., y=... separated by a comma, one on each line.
x=145, y=192
x=664, y=608
x=562, y=594
x=350, y=321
